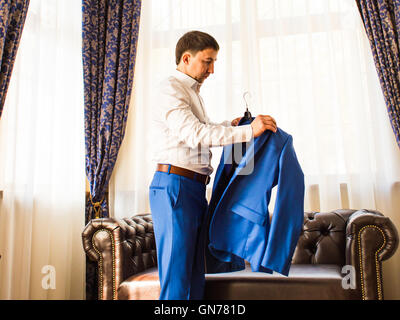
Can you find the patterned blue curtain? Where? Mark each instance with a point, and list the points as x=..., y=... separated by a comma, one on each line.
x=110, y=33
x=382, y=24
x=12, y=20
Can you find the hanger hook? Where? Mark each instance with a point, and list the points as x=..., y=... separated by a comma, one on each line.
x=244, y=97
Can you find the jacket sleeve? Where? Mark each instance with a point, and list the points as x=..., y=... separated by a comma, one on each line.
x=181, y=121
x=288, y=216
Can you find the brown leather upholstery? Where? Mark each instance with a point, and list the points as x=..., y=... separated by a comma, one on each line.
x=126, y=256
x=142, y=286
x=121, y=247
x=305, y=281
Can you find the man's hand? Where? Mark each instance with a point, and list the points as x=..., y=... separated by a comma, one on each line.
x=235, y=121
x=262, y=123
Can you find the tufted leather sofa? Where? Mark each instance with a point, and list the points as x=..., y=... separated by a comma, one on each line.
x=338, y=256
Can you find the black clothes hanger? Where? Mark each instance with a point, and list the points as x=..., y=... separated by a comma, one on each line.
x=247, y=117
x=247, y=114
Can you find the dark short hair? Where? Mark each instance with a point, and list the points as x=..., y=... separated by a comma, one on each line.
x=194, y=41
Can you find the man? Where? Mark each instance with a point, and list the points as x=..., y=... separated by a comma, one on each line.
x=182, y=137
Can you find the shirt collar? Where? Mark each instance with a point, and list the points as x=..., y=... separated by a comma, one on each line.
x=187, y=80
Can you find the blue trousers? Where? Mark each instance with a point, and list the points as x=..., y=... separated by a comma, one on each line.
x=178, y=207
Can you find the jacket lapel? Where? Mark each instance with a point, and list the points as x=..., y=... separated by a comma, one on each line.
x=251, y=151
x=227, y=150
x=248, y=157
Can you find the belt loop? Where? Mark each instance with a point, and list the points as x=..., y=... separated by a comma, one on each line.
x=169, y=168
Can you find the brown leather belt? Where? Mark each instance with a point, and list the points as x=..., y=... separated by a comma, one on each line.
x=183, y=172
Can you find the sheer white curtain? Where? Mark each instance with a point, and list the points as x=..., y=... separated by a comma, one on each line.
x=42, y=171
x=305, y=62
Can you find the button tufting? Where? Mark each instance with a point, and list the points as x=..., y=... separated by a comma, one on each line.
x=313, y=249
x=325, y=232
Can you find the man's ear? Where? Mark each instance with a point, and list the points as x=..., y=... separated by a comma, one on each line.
x=186, y=56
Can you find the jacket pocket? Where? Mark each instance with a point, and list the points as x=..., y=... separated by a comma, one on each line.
x=249, y=214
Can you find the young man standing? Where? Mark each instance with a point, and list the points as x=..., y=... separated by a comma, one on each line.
x=182, y=137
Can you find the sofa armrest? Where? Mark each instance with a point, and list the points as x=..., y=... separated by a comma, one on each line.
x=121, y=248
x=370, y=239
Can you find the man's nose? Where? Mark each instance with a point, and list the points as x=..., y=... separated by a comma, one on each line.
x=211, y=68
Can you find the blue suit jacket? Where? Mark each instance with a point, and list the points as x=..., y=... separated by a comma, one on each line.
x=239, y=226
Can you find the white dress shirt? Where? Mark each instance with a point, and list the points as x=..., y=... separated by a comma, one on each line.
x=182, y=133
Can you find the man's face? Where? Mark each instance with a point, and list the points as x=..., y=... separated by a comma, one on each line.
x=201, y=65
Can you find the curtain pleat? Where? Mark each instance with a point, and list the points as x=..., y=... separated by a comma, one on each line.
x=110, y=30
x=13, y=15
x=42, y=172
x=110, y=34
x=382, y=24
